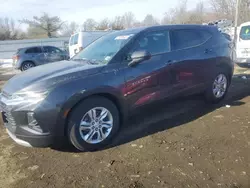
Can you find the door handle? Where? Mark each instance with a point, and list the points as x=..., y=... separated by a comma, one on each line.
x=170, y=62
x=208, y=50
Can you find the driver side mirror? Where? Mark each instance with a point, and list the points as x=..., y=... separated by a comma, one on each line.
x=138, y=57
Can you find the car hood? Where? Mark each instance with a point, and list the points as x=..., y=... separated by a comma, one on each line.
x=50, y=74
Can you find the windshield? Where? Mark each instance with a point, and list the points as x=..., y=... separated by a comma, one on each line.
x=104, y=49
x=245, y=33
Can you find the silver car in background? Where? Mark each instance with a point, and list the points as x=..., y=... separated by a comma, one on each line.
x=26, y=58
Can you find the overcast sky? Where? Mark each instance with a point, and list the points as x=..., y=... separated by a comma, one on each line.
x=79, y=10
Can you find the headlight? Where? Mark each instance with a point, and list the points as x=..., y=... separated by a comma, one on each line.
x=30, y=97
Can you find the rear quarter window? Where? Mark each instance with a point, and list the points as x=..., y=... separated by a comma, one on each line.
x=188, y=38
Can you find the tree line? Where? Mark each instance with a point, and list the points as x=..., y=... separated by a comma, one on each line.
x=53, y=26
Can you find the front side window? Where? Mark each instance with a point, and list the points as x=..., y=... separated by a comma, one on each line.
x=187, y=38
x=105, y=48
x=50, y=49
x=34, y=50
x=76, y=39
x=245, y=33
x=155, y=42
x=71, y=41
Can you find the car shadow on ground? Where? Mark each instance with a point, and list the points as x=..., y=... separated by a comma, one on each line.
x=167, y=115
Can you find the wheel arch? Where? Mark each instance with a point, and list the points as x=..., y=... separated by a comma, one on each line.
x=110, y=96
x=26, y=61
x=226, y=66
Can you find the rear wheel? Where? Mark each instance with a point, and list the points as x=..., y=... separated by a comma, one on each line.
x=93, y=124
x=27, y=65
x=218, y=87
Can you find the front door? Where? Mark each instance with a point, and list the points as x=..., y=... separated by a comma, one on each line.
x=142, y=80
x=52, y=54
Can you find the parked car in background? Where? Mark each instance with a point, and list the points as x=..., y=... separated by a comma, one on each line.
x=80, y=40
x=243, y=45
x=26, y=58
x=87, y=98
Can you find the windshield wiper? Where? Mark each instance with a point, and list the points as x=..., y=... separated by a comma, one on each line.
x=92, y=62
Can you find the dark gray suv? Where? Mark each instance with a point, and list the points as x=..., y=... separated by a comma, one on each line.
x=29, y=57
x=87, y=98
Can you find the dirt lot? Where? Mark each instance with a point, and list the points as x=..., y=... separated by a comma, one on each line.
x=189, y=144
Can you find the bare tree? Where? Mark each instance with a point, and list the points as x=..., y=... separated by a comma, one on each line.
x=69, y=28
x=197, y=15
x=128, y=19
x=177, y=15
x=149, y=20
x=9, y=30
x=89, y=25
x=181, y=15
x=103, y=24
x=118, y=23
x=244, y=11
x=36, y=32
x=224, y=8
x=46, y=23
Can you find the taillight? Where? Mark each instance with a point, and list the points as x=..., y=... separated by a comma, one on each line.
x=16, y=57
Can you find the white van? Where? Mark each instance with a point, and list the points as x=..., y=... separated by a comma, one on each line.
x=80, y=40
x=243, y=45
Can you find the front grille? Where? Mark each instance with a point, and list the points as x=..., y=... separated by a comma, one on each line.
x=6, y=112
x=7, y=117
x=6, y=95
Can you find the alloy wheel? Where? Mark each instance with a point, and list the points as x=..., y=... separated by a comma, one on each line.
x=96, y=125
x=220, y=86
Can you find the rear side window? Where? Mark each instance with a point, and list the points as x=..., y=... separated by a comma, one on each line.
x=187, y=38
x=155, y=42
x=76, y=39
x=34, y=50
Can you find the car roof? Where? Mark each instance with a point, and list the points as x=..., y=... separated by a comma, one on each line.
x=245, y=24
x=28, y=47
x=183, y=26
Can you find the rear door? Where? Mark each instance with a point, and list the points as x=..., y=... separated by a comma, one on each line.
x=191, y=59
x=142, y=80
x=36, y=55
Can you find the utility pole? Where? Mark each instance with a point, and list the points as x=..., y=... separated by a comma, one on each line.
x=235, y=27
x=236, y=20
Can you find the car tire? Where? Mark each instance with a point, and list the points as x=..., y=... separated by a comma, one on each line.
x=81, y=125
x=27, y=65
x=210, y=94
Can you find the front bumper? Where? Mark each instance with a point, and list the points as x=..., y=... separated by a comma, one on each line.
x=25, y=136
x=37, y=131
x=243, y=62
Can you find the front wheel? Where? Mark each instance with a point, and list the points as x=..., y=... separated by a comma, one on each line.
x=218, y=88
x=93, y=124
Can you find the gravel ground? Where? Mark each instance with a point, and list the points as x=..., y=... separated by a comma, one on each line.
x=186, y=144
